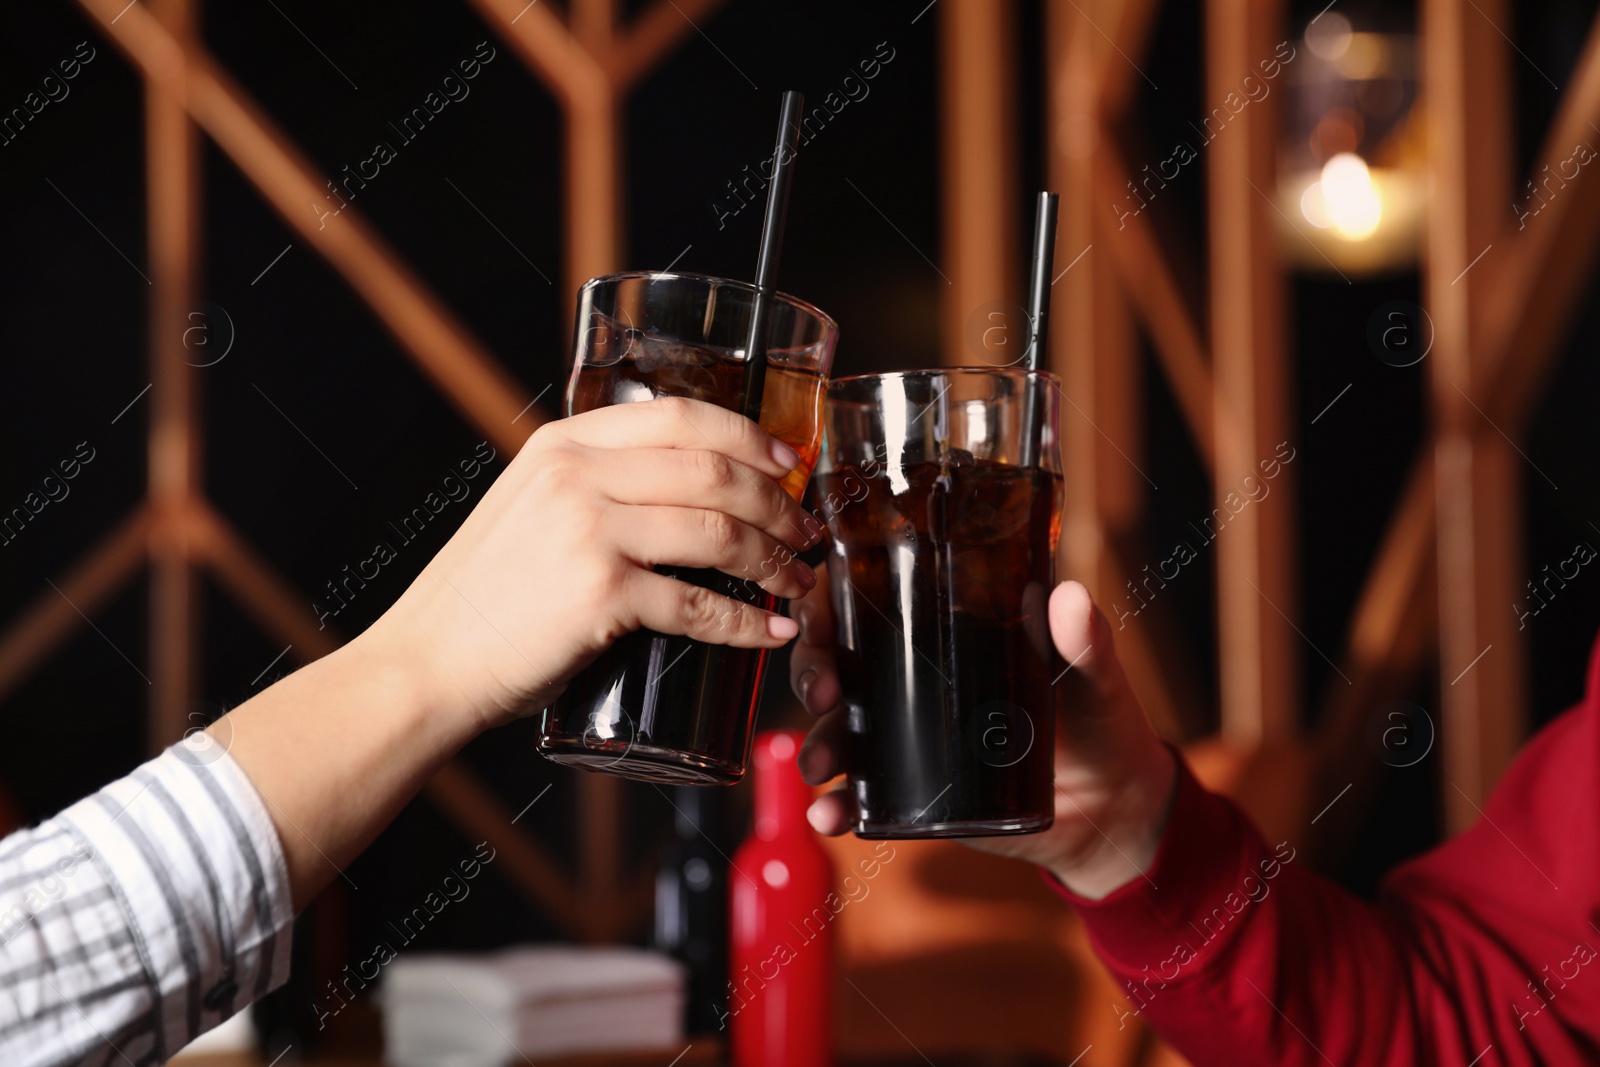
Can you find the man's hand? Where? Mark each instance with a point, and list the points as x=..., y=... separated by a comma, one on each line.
x=1114, y=777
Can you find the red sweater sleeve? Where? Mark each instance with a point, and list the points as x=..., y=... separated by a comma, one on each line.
x=1481, y=952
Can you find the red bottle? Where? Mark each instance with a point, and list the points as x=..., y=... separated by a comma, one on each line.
x=780, y=994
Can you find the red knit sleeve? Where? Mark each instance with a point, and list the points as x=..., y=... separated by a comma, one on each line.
x=1480, y=952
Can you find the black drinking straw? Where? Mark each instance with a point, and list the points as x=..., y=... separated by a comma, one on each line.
x=1039, y=280
x=1044, y=253
x=783, y=156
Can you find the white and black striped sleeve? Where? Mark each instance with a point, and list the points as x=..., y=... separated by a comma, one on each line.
x=141, y=916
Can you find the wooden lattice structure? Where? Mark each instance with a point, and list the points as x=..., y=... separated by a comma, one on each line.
x=589, y=66
x=1436, y=592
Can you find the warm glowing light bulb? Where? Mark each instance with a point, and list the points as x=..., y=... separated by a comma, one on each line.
x=1314, y=206
x=1349, y=198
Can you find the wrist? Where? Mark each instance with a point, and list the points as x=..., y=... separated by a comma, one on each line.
x=394, y=676
x=1127, y=841
x=336, y=749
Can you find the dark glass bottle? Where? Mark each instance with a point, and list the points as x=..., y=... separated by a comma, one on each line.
x=692, y=900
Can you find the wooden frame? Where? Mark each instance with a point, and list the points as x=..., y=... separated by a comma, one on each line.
x=590, y=67
x=1455, y=535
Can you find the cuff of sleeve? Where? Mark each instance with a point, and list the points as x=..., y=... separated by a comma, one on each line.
x=196, y=865
x=267, y=873
x=1202, y=858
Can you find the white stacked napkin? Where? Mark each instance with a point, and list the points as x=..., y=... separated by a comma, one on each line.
x=495, y=1009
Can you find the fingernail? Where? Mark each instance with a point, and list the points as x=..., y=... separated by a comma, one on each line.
x=816, y=818
x=807, y=576
x=782, y=628
x=808, y=678
x=784, y=455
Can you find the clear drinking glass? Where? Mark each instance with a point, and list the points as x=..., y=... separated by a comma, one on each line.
x=654, y=706
x=942, y=490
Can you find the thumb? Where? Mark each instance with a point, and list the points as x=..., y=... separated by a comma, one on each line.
x=1094, y=681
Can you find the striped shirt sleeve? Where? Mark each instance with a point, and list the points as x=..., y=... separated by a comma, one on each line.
x=141, y=916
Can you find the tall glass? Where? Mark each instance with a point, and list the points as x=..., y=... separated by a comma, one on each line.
x=943, y=490
x=654, y=706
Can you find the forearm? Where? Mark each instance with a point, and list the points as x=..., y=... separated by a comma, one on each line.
x=336, y=750
x=1237, y=953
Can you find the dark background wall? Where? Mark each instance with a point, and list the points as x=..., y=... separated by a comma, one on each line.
x=73, y=342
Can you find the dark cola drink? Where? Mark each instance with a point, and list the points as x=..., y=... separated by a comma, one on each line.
x=655, y=706
x=680, y=710
x=941, y=573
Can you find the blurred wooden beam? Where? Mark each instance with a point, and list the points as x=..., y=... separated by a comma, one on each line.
x=1092, y=345
x=54, y=615
x=1113, y=73
x=278, y=607
x=1155, y=650
x=652, y=36
x=174, y=193
x=590, y=104
x=596, y=208
x=1390, y=643
x=1392, y=627
x=1166, y=313
x=538, y=36
x=1259, y=648
x=1095, y=350
x=1120, y=72
x=594, y=24
x=1105, y=274
x=1549, y=258
x=600, y=844
x=1478, y=474
x=1402, y=568
x=1164, y=310
x=978, y=151
x=457, y=362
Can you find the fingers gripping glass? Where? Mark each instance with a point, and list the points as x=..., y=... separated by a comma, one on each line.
x=659, y=707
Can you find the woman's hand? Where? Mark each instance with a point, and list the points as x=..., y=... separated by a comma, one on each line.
x=555, y=563
x=1114, y=777
x=551, y=567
